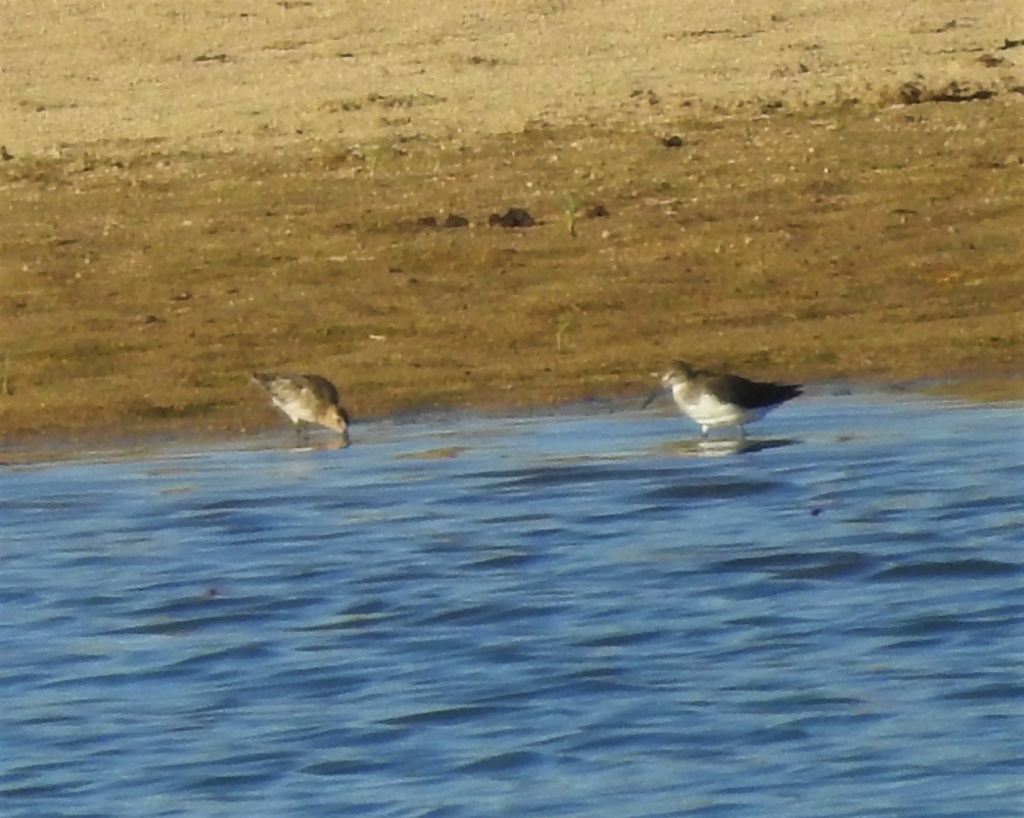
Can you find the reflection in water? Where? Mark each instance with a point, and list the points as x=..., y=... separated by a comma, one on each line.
x=327, y=445
x=725, y=447
x=538, y=616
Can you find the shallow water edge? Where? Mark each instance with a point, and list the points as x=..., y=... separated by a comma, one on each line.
x=102, y=443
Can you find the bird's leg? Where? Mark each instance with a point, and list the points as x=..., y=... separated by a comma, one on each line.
x=743, y=433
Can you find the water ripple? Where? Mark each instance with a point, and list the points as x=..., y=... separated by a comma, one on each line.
x=579, y=614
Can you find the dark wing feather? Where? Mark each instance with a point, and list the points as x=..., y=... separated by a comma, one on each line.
x=752, y=394
x=322, y=388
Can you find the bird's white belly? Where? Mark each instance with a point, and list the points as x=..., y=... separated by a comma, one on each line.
x=295, y=411
x=710, y=412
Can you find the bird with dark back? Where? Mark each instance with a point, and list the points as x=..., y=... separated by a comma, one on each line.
x=717, y=399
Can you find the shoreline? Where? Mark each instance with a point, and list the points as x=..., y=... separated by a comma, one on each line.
x=744, y=249
x=781, y=196
x=43, y=446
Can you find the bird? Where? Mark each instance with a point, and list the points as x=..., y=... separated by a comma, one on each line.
x=305, y=399
x=715, y=399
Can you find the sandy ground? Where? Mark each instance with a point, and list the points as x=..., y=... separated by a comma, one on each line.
x=194, y=192
x=237, y=75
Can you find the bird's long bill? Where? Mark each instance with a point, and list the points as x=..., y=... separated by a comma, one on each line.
x=651, y=398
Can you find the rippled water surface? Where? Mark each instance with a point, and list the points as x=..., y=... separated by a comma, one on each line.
x=571, y=615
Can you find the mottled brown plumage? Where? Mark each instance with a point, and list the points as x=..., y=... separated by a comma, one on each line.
x=305, y=399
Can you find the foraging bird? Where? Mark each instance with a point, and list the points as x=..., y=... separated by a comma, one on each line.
x=721, y=399
x=305, y=399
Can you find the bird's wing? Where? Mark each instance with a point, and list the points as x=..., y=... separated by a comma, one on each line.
x=321, y=388
x=750, y=394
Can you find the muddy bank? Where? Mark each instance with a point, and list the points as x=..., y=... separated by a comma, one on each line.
x=872, y=234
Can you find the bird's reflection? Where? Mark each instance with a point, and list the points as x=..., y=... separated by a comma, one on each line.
x=703, y=447
x=305, y=444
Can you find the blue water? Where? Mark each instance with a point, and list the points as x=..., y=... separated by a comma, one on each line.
x=581, y=614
